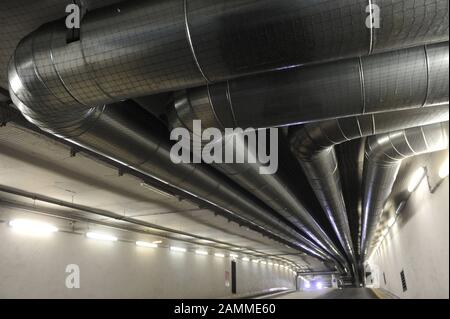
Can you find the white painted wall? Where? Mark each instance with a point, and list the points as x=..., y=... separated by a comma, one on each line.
x=34, y=267
x=418, y=243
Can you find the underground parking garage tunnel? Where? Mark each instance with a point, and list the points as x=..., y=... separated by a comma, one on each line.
x=202, y=149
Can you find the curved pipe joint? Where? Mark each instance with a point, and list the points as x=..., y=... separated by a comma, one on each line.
x=383, y=157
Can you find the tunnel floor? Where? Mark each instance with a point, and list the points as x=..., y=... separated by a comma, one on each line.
x=348, y=293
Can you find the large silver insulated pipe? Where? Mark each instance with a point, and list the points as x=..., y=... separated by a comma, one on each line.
x=383, y=156
x=402, y=79
x=272, y=189
x=141, y=47
x=313, y=146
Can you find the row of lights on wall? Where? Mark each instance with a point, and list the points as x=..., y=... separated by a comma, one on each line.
x=413, y=183
x=27, y=226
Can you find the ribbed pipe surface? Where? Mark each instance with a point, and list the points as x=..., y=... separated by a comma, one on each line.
x=383, y=157
x=313, y=144
x=402, y=79
x=143, y=47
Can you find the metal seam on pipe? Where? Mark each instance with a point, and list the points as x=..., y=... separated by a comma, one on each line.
x=364, y=85
x=218, y=120
x=370, y=28
x=427, y=58
x=191, y=45
x=36, y=72
x=92, y=70
x=56, y=72
x=231, y=103
x=363, y=88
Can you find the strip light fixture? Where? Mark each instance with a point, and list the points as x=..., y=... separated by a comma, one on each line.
x=101, y=236
x=178, y=249
x=146, y=244
x=28, y=226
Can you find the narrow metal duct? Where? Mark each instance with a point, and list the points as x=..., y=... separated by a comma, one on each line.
x=390, y=81
x=384, y=154
x=142, y=47
x=313, y=146
x=272, y=189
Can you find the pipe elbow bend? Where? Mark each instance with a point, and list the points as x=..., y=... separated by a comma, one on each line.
x=39, y=92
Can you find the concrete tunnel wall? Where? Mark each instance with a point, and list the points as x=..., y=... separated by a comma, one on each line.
x=418, y=244
x=35, y=268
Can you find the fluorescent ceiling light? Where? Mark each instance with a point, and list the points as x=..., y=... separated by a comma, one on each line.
x=270, y=263
x=100, y=236
x=263, y=262
x=157, y=242
x=234, y=256
x=178, y=249
x=245, y=259
x=146, y=244
x=255, y=261
x=416, y=178
x=219, y=255
x=27, y=226
x=443, y=170
x=201, y=252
